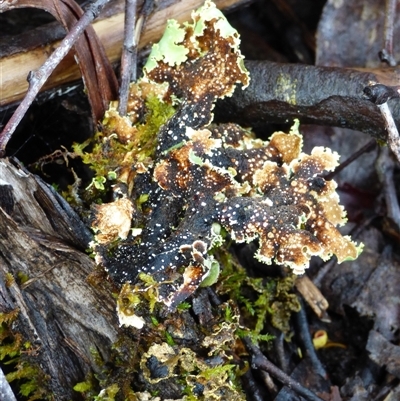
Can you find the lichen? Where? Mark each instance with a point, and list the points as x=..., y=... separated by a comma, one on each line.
x=286, y=89
x=180, y=182
x=208, y=378
x=171, y=192
x=273, y=193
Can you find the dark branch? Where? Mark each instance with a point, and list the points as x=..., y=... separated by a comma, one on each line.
x=128, y=58
x=279, y=93
x=259, y=361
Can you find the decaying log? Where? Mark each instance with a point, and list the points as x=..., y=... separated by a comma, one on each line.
x=16, y=63
x=59, y=312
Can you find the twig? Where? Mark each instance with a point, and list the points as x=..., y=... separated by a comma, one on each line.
x=269, y=383
x=251, y=386
x=386, y=54
x=323, y=271
x=146, y=10
x=37, y=78
x=393, y=134
x=366, y=148
x=305, y=336
x=128, y=54
x=385, y=168
x=280, y=351
x=133, y=31
x=313, y=296
x=214, y=299
x=380, y=94
x=259, y=361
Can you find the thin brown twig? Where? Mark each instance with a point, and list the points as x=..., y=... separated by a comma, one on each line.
x=133, y=31
x=386, y=54
x=259, y=361
x=364, y=149
x=127, y=57
x=38, y=78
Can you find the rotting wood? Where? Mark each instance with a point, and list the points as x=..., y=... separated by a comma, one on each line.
x=60, y=314
x=110, y=30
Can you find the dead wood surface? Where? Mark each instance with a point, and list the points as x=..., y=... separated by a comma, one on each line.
x=60, y=314
x=17, y=62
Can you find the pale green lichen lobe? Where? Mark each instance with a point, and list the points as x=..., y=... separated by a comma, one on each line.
x=168, y=48
x=210, y=12
x=183, y=44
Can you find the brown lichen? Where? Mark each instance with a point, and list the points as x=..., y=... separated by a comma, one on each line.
x=202, y=177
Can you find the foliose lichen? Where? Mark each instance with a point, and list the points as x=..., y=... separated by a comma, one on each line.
x=181, y=182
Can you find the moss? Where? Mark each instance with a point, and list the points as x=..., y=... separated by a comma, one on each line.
x=22, y=277
x=169, y=339
x=32, y=381
x=109, y=393
x=261, y=300
x=9, y=281
x=84, y=387
x=18, y=356
x=208, y=374
x=7, y=318
x=184, y=306
x=108, y=154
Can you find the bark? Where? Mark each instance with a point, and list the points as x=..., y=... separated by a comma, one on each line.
x=278, y=93
x=60, y=313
